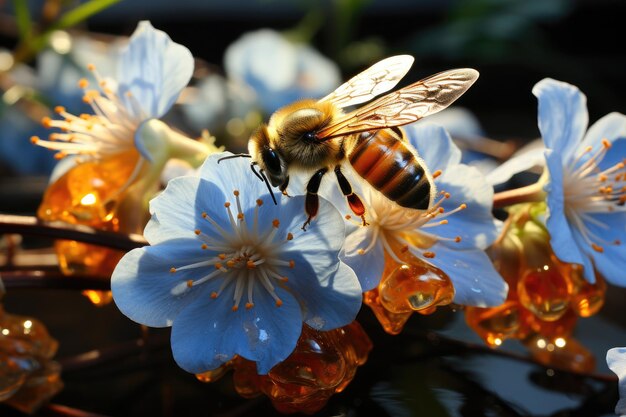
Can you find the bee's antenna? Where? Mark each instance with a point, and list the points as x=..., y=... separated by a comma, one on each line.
x=269, y=188
x=252, y=165
x=239, y=155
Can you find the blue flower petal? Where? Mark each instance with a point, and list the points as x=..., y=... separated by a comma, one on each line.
x=434, y=145
x=563, y=116
x=368, y=267
x=521, y=161
x=561, y=237
x=611, y=127
x=616, y=360
x=177, y=211
x=476, y=282
x=142, y=283
x=208, y=333
x=611, y=262
x=475, y=225
x=235, y=174
x=328, y=301
x=154, y=69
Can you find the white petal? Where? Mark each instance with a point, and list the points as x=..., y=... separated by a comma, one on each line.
x=154, y=69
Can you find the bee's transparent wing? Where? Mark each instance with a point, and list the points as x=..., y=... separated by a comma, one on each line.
x=407, y=105
x=377, y=79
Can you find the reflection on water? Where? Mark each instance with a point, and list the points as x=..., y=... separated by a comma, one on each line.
x=417, y=373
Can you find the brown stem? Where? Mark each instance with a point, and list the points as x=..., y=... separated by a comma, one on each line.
x=65, y=411
x=29, y=225
x=51, y=279
x=525, y=194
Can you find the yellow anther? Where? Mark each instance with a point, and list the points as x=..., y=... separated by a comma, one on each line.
x=230, y=264
x=172, y=270
x=83, y=83
x=404, y=249
x=360, y=251
x=457, y=239
x=46, y=122
x=189, y=283
x=276, y=223
x=204, y=215
x=227, y=204
x=447, y=195
x=603, y=177
x=279, y=302
x=606, y=143
x=34, y=140
x=236, y=193
x=289, y=236
x=204, y=246
x=59, y=155
x=240, y=216
x=250, y=265
x=441, y=210
x=348, y=217
x=259, y=202
x=59, y=109
x=197, y=231
x=213, y=295
x=249, y=306
x=463, y=206
x=429, y=255
x=292, y=264
x=222, y=256
x=129, y=94
x=218, y=266
x=443, y=222
x=91, y=67
x=597, y=248
x=588, y=149
x=437, y=173
x=102, y=83
x=235, y=308
x=284, y=279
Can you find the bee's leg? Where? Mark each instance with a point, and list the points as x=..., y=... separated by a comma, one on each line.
x=283, y=187
x=355, y=203
x=312, y=202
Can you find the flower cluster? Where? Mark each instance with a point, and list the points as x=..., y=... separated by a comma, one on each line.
x=245, y=288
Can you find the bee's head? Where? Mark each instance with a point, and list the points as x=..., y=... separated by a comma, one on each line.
x=267, y=157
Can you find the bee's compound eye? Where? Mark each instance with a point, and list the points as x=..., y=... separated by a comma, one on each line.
x=309, y=137
x=272, y=161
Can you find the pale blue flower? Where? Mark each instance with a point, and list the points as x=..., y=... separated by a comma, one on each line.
x=152, y=70
x=234, y=274
x=616, y=359
x=279, y=71
x=586, y=182
x=452, y=240
x=584, y=178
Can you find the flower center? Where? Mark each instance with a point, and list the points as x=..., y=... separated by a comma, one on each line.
x=109, y=130
x=245, y=259
x=587, y=189
x=400, y=227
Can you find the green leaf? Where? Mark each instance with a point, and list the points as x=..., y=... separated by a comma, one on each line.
x=81, y=13
x=22, y=16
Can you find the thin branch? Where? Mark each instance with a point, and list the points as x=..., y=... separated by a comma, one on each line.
x=29, y=225
x=65, y=411
x=51, y=279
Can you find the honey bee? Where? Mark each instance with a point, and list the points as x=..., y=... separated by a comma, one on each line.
x=316, y=135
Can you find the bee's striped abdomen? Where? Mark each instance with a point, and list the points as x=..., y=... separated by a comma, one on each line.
x=384, y=160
